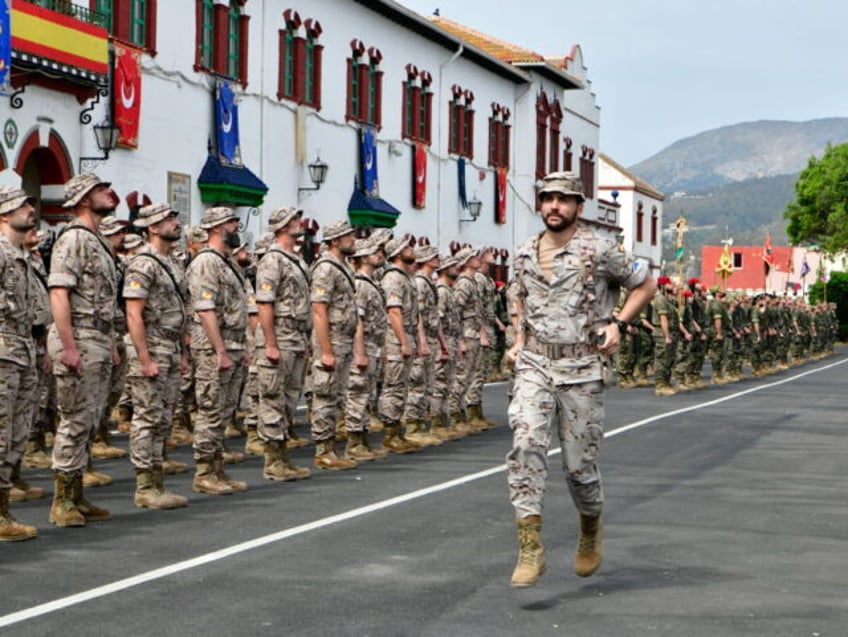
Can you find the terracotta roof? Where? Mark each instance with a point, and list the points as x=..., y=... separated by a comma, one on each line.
x=493, y=46
x=638, y=182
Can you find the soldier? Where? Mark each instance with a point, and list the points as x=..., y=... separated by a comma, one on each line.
x=282, y=296
x=444, y=371
x=718, y=328
x=219, y=300
x=666, y=332
x=17, y=350
x=483, y=364
x=698, y=346
x=83, y=286
x=371, y=306
x=401, y=342
x=567, y=278
x=431, y=346
x=334, y=341
x=155, y=292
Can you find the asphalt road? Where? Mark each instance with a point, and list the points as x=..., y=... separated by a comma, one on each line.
x=725, y=515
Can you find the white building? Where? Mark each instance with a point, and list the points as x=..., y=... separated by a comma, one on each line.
x=309, y=76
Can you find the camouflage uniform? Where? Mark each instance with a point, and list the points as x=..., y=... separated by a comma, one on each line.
x=422, y=372
x=559, y=371
x=44, y=399
x=399, y=291
x=444, y=370
x=483, y=365
x=664, y=352
x=469, y=305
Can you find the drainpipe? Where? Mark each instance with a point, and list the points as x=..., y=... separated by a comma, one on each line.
x=442, y=66
x=513, y=162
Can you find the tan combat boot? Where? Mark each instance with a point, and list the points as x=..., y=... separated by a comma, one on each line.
x=233, y=431
x=277, y=465
x=90, y=512
x=172, y=467
x=101, y=446
x=235, y=485
x=378, y=453
x=93, y=478
x=416, y=431
x=460, y=425
x=181, y=431
x=63, y=511
x=178, y=501
x=441, y=428
x=479, y=420
x=625, y=381
x=124, y=418
x=326, y=458
x=531, y=554
x=664, y=389
x=253, y=445
x=293, y=441
x=11, y=530
x=35, y=454
x=356, y=449
x=374, y=422
x=230, y=456
x=588, y=556
x=22, y=490
x=394, y=441
x=148, y=495
x=206, y=481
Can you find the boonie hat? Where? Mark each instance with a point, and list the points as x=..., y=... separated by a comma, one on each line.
x=363, y=248
x=153, y=214
x=396, y=246
x=280, y=217
x=110, y=225
x=424, y=253
x=12, y=198
x=132, y=241
x=196, y=234
x=462, y=257
x=563, y=182
x=78, y=187
x=216, y=216
x=336, y=229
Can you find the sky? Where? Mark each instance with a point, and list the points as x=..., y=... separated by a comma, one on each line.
x=664, y=70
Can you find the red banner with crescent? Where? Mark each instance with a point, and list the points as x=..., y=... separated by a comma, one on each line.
x=500, y=196
x=127, y=94
x=419, y=189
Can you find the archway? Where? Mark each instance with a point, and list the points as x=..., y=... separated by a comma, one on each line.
x=44, y=171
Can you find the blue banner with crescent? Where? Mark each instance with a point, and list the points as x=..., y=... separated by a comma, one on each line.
x=463, y=194
x=226, y=115
x=5, y=47
x=368, y=155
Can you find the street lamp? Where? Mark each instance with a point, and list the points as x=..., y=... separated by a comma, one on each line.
x=317, y=173
x=106, y=135
x=474, y=208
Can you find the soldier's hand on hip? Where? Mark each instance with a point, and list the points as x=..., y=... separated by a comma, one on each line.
x=150, y=369
x=224, y=361
x=328, y=361
x=272, y=353
x=71, y=359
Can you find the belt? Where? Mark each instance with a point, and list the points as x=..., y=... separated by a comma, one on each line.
x=232, y=334
x=93, y=323
x=166, y=333
x=24, y=330
x=559, y=350
x=300, y=325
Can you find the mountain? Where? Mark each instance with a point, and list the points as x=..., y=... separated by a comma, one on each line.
x=737, y=153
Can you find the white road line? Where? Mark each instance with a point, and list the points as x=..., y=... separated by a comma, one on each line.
x=214, y=556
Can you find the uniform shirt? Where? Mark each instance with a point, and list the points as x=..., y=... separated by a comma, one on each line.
x=428, y=305
x=161, y=281
x=17, y=305
x=215, y=283
x=371, y=304
x=469, y=305
x=487, y=290
x=40, y=294
x=400, y=292
x=333, y=284
x=448, y=312
x=575, y=302
x=282, y=279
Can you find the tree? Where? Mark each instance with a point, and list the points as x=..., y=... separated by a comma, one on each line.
x=819, y=213
x=834, y=291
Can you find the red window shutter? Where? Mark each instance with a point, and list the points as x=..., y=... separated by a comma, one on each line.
x=640, y=220
x=541, y=139
x=364, y=82
x=451, y=126
x=493, y=142
x=299, y=68
x=505, y=147
x=122, y=16
x=428, y=125
x=244, y=33
x=281, y=63
x=198, y=33
x=416, y=112
x=220, y=39
x=469, y=130
x=554, y=150
x=566, y=160
x=150, y=36
x=653, y=230
x=349, y=114
x=317, y=54
x=378, y=98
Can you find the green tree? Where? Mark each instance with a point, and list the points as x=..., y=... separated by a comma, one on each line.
x=836, y=291
x=820, y=211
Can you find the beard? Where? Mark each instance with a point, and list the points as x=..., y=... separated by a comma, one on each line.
x=407, y=259
x=232, y=239
x=23, y=225
x=104, y=210
x=559, y=226
x=174, y=235
x=347, y=250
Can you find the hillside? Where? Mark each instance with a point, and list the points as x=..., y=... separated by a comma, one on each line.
x=737, y=153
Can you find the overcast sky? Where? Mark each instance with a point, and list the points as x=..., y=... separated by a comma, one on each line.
x=663, y=70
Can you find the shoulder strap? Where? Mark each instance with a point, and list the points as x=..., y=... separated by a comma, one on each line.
x=293, y=259
x=371, y=282
x=340, y=268
x=229, y=264
x=429, y=282
x=164, y=266
x=38, y=275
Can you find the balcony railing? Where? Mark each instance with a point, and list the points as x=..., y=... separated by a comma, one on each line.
x=66, y=7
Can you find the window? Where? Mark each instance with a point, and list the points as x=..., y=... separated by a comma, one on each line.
x=417, y=101
x=555, y=121
x=130, y=21
x=640, y=222
x=567, y=155
x=221, y=39
x=654, y=221
x=587, y=171
x=737, y=260
x=364, y=85
x=499, y=130
x=461, y=128
x=548, y=122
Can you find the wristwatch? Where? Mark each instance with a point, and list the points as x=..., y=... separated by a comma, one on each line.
x=622, y=326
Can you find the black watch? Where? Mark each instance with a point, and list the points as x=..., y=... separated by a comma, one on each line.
x=622, y=326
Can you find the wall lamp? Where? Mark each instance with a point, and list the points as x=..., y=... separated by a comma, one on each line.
x=317, y=173
x=474, y=208
x=106, y=135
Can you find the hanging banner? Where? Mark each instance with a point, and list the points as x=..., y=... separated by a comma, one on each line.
x=368, y=159
x=500, y=196
x=419, y=174
x=127, y=91
x=463, y=194
x=227, y=125
x=5, y=47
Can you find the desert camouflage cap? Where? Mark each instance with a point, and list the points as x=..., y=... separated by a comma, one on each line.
x=364, y=248
x=337, y=229
x=152, y=214
x=132, y=241
x=110, y=225
x=425, y=253
x=263, y=244
x=78, y=187
x=446, y=261
x=464, y=255
x=12, y=198
x=216, y=216
x=396, y=246
x=566, y=183
x=381, y=236
x=280, y=217
x=196, y=234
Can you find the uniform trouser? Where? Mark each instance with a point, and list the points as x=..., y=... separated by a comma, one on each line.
x=443, y=379
x=663, y=358
x=17, y=401
x=44, y=410
x=328, y=392
x=577, y=412
x=250, y=397
x=626, y=362
x=117, y=381
x=465, y=365
x=697, y=353
x=645, y=355
x=718, y=355
x=217, y=397
x=735, y=355
x=279, y=388
x=153, y=401
x=188, y=399
x=421, y=376
x=474, y=394
x=396, y=370
x=360, y=385
x=681, y=358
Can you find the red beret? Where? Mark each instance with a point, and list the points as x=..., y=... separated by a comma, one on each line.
x=663, y=280
x=687, y=292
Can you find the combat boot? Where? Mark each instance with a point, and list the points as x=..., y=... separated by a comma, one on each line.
x=277, y=464
x=63, y=511
x=625, y=381
x=206, y=480
x=253, y=445
x=664, y=389
x=233, y=431
x=475, y=419
x=93, y=478
x=230, y=456
x=124, y=418
x=172, y=467
x=588, y=556
x=235, y=485
x=159, y=483
x=35, y=454
x=150, y=495
x=459, y=424
x=378, y=453
x=374, y=423
x=181, y=431
x=417, y=432
x=326, y=458
x=90, y=512
x=441, y=428
x=355, y=448
x=394, y=441
x=22, y=490
x=11, y=530
x=531, y=554
x=293, y=441
x=101, y=446
x=694, y=382
x=479, y=419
